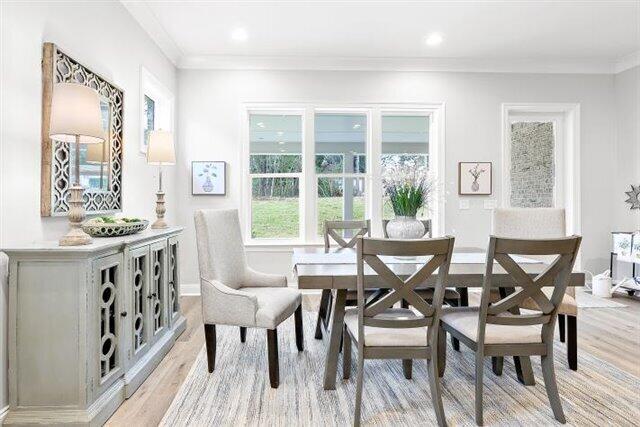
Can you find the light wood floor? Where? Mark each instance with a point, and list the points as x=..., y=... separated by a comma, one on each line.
x=610, y=334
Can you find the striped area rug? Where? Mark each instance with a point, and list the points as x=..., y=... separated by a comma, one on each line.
x=238, y=392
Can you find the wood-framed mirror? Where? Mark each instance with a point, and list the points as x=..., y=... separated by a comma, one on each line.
x=100, y=164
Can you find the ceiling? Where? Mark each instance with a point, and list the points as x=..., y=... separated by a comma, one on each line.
x=593, y=36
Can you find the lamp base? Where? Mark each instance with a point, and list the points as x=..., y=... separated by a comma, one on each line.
x=160, y=210
x=76, y=235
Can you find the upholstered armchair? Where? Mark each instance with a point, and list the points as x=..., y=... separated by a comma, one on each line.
x=233, y=294
x=543, y=223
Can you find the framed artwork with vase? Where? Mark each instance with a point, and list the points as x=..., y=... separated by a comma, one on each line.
x=208, y=178
x=474, y=178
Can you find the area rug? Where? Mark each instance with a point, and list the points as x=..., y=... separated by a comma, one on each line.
x=238, y=392
x=585, y=299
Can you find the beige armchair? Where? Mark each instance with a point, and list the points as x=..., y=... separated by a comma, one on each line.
x=543, y=223
x=233, y=294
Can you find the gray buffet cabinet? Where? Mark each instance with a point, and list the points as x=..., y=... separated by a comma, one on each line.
x=88, y=324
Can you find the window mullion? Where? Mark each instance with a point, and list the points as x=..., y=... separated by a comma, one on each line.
x=309, y=192
x=373, y=187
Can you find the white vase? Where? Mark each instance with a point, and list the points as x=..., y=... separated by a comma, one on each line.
x=405, y=227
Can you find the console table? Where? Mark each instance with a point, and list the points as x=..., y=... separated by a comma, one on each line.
x=87, y=324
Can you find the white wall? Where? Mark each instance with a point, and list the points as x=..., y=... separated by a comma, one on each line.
x=627, y=101
x=209, y=126
x=103, y=36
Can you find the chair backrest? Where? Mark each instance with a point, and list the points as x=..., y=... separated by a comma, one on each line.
x=506, y=311
x=426, y=222
x=369, y=252
x=529, y=223
x=221, y=253
x=332, y=228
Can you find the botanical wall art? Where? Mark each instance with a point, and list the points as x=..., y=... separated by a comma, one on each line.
x=208, y=178
x=474, y=178
x=634, y=196
x=101, y=177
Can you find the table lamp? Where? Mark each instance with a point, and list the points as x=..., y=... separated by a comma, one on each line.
x=160, y=152
x=75, y=119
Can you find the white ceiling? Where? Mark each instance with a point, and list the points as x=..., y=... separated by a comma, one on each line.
x=592, y=36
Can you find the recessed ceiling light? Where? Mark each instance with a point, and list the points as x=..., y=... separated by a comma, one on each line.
x=356, y=126
x=239, y=34
x=281, y=142
x=433, y=39
x=260, y=124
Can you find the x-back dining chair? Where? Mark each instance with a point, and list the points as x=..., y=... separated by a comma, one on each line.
x=236, y=295
x=381, y=331
x=331, y=231
x=542, y=223
x=497, y=328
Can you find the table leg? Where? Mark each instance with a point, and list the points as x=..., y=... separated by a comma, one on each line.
x=464, y=296
x=337, y=323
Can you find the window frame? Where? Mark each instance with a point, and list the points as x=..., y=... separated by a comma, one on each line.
x=164, y=101
x=308, y=177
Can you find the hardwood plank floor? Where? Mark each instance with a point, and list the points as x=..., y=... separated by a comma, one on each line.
x=612, y=335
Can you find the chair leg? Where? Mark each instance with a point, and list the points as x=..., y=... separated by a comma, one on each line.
x=360, y=378
x=442, y=351
x=322, y=312
x=455, y=343
x=436, y=391
x=572, y=342
x=210, y=341
x=407, y=368
x=299, y=329
x=497, y=363
x=550, y=384
x=479, y=374
x=346, y=355
x=243, y=334
x=272, y=347
x=404, y=304
x=561, y=323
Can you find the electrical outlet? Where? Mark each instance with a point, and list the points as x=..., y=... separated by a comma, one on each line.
x=463, y=204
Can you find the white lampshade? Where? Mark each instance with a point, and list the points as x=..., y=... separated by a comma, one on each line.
x=98, y=153
x=160, y=149
x=75, y=111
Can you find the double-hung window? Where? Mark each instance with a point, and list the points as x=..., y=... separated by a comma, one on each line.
x=306, y=164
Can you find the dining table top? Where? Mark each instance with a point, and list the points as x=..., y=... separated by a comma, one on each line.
x=336, y=269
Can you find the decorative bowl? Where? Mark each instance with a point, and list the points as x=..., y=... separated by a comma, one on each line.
x=96, y=228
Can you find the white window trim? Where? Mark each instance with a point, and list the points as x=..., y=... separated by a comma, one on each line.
x=569, y=133
x=164, y=104
x=308, y=181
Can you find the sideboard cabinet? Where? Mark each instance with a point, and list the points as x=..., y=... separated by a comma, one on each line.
x=88, y=324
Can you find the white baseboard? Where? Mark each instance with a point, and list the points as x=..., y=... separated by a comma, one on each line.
x=190, y=289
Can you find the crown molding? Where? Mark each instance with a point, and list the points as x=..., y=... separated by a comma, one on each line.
x=627, y=62
x=145, y=17
x=230, y=62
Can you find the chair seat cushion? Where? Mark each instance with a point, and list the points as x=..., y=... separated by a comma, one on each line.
x=465, y=320
x=567, y=306
x=274, y=304
x=388, y=337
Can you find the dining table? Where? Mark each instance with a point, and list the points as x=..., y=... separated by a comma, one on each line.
x=335, y=269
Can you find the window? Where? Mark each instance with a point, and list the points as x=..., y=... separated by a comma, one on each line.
x=340, y=159
x=275, y=168
x=305, y=164
x=405, y=142
x=156, y=111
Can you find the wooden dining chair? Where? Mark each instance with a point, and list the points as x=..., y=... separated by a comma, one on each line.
x=236, y=295
x=497, y=328
x=333, y=230
x=381, y=331
x=541, y=223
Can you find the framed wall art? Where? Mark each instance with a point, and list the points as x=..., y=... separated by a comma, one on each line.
x=208, y=178
x=475, y=178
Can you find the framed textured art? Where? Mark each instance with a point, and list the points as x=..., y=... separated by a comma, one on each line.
x=101, y=168
x=474, y=179
x=208, y=178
